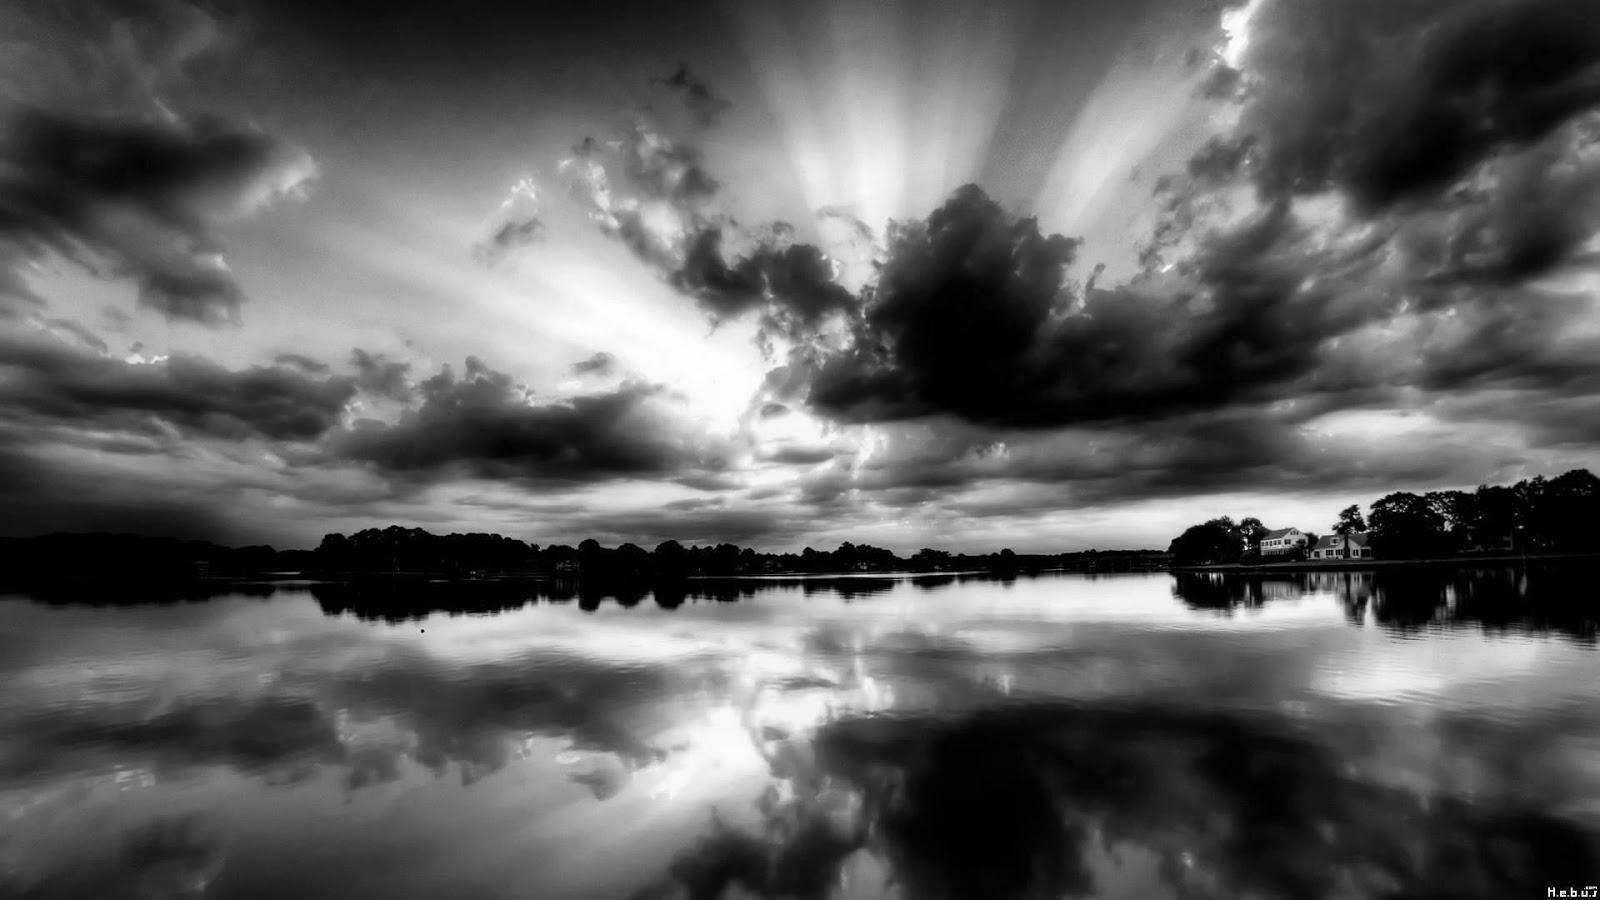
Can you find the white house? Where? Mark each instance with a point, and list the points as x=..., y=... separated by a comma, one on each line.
x=1283, y=541
x=1355, y=545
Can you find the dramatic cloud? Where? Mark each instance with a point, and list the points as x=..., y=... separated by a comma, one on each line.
x=1356, y=227
x=791, y=284
x=47, y=381
x=139, y=199
x=1405, y=99
x=382, y=377
x=483, y=424
x=1393, y=261
x=96, y=169
x=653, y=194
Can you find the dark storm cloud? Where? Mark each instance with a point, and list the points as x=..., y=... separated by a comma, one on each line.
x=653, y=193
x=791, y=284
x=1405, y=98
x=1526, y=342
x=1529, y=213
x=381, y=376
x=139, y=198
x=1421, y=289
x=1465, y=130
x=1410, y=188
x=51, y=382
x=973, y=316
x=483, y=424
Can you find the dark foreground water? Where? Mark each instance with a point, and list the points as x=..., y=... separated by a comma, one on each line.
x=1343, y=735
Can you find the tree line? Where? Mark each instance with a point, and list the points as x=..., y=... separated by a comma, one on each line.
x=400, y=550
x=1536, y=515
x=412, y=549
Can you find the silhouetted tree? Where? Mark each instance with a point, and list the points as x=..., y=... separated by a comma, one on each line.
x=1350, y=520
x=1458, y=511
x=1253, y=530
x=1406, y=525
x=1210, y=543
x=1563, y=513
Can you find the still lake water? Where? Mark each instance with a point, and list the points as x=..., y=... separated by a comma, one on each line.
x=1351, y=734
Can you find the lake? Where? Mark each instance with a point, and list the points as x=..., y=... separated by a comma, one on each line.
x=1395, y=733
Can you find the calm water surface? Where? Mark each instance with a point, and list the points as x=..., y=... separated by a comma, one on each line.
x=1139, y=736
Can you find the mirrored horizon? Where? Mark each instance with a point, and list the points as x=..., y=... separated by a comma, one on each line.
x=1127, y=736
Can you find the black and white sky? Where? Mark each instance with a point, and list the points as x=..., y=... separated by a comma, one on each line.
x=1045, y=275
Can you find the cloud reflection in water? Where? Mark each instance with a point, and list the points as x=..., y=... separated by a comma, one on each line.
x=1058, y=737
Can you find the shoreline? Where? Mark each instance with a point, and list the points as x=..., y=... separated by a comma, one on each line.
x=1313, y=565
x=284, y=579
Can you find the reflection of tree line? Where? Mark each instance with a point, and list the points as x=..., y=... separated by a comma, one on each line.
x=1549, y=597
x=399, y=598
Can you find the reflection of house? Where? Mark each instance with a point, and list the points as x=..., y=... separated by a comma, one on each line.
x=1349, y=586
x=1275, y=590
x=1343, y=546
x=1283, y=541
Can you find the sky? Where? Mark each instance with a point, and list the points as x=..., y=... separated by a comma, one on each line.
x=1042, y=275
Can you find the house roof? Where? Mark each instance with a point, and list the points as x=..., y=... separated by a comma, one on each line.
x=1357, y=539
x=1278, y=533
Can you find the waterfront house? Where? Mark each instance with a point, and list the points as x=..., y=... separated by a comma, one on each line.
x=1355, y=545
x=1283, y=541
x=1487, y=540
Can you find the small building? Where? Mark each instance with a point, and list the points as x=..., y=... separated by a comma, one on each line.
x=1283, y=541
x=1356, y=545
x=1485, y=540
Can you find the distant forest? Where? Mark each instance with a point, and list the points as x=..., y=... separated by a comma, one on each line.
x=397, y=550
x=1536, y=515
